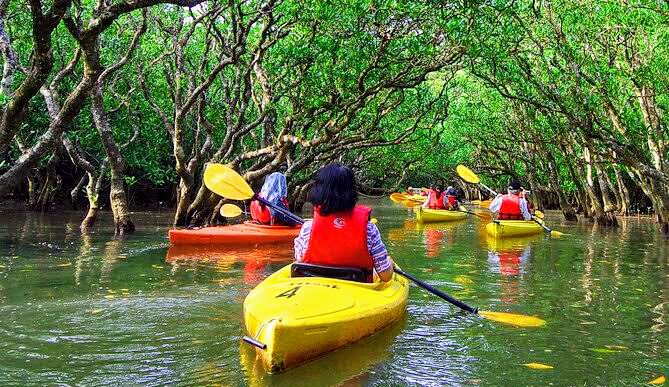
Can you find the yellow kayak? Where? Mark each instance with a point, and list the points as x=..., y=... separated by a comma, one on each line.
x=481, y=203
x=291, y=320
x=416, y=198
x=513, y=228
x=426, y=215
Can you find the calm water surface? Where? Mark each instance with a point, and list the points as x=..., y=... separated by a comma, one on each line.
x=95, y=310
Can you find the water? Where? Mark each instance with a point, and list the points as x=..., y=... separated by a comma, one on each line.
x=94, y=310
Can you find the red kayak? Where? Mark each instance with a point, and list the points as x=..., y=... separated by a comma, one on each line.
x=239, y=234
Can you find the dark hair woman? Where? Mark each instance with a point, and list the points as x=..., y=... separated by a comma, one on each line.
x=435, y=198
x=341, y=233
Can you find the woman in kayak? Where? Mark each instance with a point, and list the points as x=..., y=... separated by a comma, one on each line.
x=435, y=198
x=451, y=199
x=341, y=233
x=275, y=191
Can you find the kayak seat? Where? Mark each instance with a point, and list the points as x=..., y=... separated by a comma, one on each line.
x=343, y=273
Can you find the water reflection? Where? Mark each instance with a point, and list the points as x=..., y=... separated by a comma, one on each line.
x=350, y=366
x=437, y=236
x=256, y=260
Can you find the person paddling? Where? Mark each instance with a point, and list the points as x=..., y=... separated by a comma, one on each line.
x=275, y=191
x=511, y=206
x=341, y=233
x=435, y=198
x=451, y=199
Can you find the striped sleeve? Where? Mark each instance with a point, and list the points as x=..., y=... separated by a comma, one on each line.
x=302, y=241
x=377, y=249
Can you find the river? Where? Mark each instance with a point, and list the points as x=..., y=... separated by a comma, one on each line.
x=96, y=310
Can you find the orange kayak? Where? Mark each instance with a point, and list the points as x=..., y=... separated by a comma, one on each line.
x=244, y=233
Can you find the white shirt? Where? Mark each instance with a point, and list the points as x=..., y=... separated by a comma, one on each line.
x=496, y=204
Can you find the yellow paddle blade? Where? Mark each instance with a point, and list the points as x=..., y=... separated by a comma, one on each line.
x=519, y=320
x=230, y=211
x=224, y=181
x=467, y=174
x=538, y=366
x=374, y=221
x=397, y=197
x=539, y=214
x=659, y=380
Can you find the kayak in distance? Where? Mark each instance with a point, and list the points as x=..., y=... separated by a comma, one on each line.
x=513, y=228
x=427, y=215
x=236, y=234
x=291, y=319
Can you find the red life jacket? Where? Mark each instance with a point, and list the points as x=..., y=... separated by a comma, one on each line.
x=435, y=201
x=340, y=240
x=261, y=213
x=452, y=202
x=510, y=208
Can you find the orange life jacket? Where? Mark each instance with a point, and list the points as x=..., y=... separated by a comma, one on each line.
x=340, y=240
x=435, y=201
x=510, y=208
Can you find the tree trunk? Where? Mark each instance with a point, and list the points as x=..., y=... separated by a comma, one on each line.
x=93, y=205
x=601, y=217
x=117, y=195
x=623, y=192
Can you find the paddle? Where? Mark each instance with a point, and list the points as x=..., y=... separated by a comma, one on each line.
x=231, y=183
x=224, y=181
x=503, y=317
x=470, y=177
x=230, y=211
x=480, y=216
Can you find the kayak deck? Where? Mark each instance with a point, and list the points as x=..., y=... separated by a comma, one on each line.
x=244, y=233
x=301, y=318
x=513, y=228
x=427, y=215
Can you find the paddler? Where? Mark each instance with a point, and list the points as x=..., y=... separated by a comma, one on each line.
x=341, y=233
x=451, y=199
x=511, y=206
x=435, y=198
x=275, y=191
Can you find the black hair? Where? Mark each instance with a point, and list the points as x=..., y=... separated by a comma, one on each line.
x=335, y=190
x=514, y=184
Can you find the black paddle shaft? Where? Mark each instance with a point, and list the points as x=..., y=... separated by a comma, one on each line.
x=280, y=209
x=438, y=292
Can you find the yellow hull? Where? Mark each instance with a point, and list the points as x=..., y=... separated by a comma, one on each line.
x=513, y=228
x=426, y=215
x=299, y=319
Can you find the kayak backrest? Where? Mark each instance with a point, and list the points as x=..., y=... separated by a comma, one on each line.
x=343, y=273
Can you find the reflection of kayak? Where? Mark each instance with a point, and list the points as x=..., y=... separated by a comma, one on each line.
x=244, y=233
x=301, y=318
x=510, y=243
x=426, y=215
x=223, y=258
x=513, y=228
x=335, y=369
